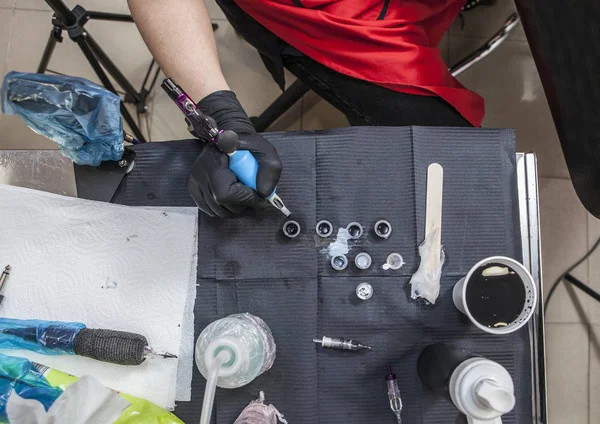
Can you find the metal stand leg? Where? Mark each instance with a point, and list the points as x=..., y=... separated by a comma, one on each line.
x=50, y=45
x=285, y=101
x=73, y=22
x=111, y=68
x=87, y=51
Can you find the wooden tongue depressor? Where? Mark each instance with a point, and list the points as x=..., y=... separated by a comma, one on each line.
x=433, y=214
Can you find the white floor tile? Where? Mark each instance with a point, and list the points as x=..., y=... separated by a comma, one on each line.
x=564, y=241
x=6, y=21
x=214, y=11
x=595, y=373
x=514, y=98
x=567, y=354
x=593, y=310
x=112, y=6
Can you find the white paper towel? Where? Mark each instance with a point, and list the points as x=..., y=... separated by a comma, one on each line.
x=108, y=266
x=186, y=352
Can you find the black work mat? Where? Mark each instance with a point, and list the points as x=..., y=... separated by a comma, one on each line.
x=354, y=174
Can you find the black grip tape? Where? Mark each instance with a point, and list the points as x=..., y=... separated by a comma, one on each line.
x=117, y=347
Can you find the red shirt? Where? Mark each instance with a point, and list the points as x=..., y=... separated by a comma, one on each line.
x=399, y=52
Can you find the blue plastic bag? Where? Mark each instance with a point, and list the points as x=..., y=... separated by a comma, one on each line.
x=20, y=375
x=83, y=118
x=47, y=337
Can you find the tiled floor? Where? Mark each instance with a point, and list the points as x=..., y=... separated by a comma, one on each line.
x=509, y=82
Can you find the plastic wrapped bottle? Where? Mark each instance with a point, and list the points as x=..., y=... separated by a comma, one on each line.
x=248, y=342
x=230, y=353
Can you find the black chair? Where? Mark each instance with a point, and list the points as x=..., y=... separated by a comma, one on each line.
x=565, y=43
x=298, y=89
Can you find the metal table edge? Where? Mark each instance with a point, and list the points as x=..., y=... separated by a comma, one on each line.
x=527, y=185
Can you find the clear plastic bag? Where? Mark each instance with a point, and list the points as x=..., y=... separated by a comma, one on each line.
x=19, y=375
x=47, y=337
x=83, y=118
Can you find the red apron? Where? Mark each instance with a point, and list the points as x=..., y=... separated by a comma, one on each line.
x=399, y=52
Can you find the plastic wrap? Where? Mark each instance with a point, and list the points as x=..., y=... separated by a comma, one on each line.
x=141, y=411
x=84, y=402
x=19, y=375
x=47, y=337
x=425, y=282
x=80, y=116
x=258, y=413
x=249, y=341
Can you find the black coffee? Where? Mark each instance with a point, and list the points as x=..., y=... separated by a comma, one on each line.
x=495, y=295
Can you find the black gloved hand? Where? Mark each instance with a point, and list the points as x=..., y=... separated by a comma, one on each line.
x=215, y=189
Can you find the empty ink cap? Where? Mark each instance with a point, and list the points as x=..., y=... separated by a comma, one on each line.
x=355, y=230
x=394, y=261
x=339, y=262
x=383, y=228
x=291, y=229
x=324, y=228
x=362, y=260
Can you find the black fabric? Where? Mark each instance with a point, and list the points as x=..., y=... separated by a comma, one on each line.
x=246, y=265
x=362, y=102
x=565, y=43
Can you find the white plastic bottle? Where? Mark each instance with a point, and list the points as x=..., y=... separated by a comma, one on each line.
x=482, y=390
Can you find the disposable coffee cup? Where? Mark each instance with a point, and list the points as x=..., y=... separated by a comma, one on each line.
x=498, y=295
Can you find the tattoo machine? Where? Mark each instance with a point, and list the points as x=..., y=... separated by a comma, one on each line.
x=241, y=162
x=73, y=338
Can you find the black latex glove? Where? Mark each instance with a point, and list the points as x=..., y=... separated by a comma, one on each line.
x=215, y=189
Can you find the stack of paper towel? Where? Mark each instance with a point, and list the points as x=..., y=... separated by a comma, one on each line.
x=108, y=266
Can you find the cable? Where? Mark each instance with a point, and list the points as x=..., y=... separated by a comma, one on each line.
x=568, y=271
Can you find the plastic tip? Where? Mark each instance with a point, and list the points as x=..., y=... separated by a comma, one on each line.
x=285, y=211
x=319, y=341
x=278, y=203
x=7, y=268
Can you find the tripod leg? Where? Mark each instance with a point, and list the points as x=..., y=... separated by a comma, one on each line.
x=115, y=17
x=47, y=53
x=281, y=104
x=81, y=41
x=134, y=128
x=111, y=68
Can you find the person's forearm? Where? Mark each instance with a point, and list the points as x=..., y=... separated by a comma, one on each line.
x=179, y=35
